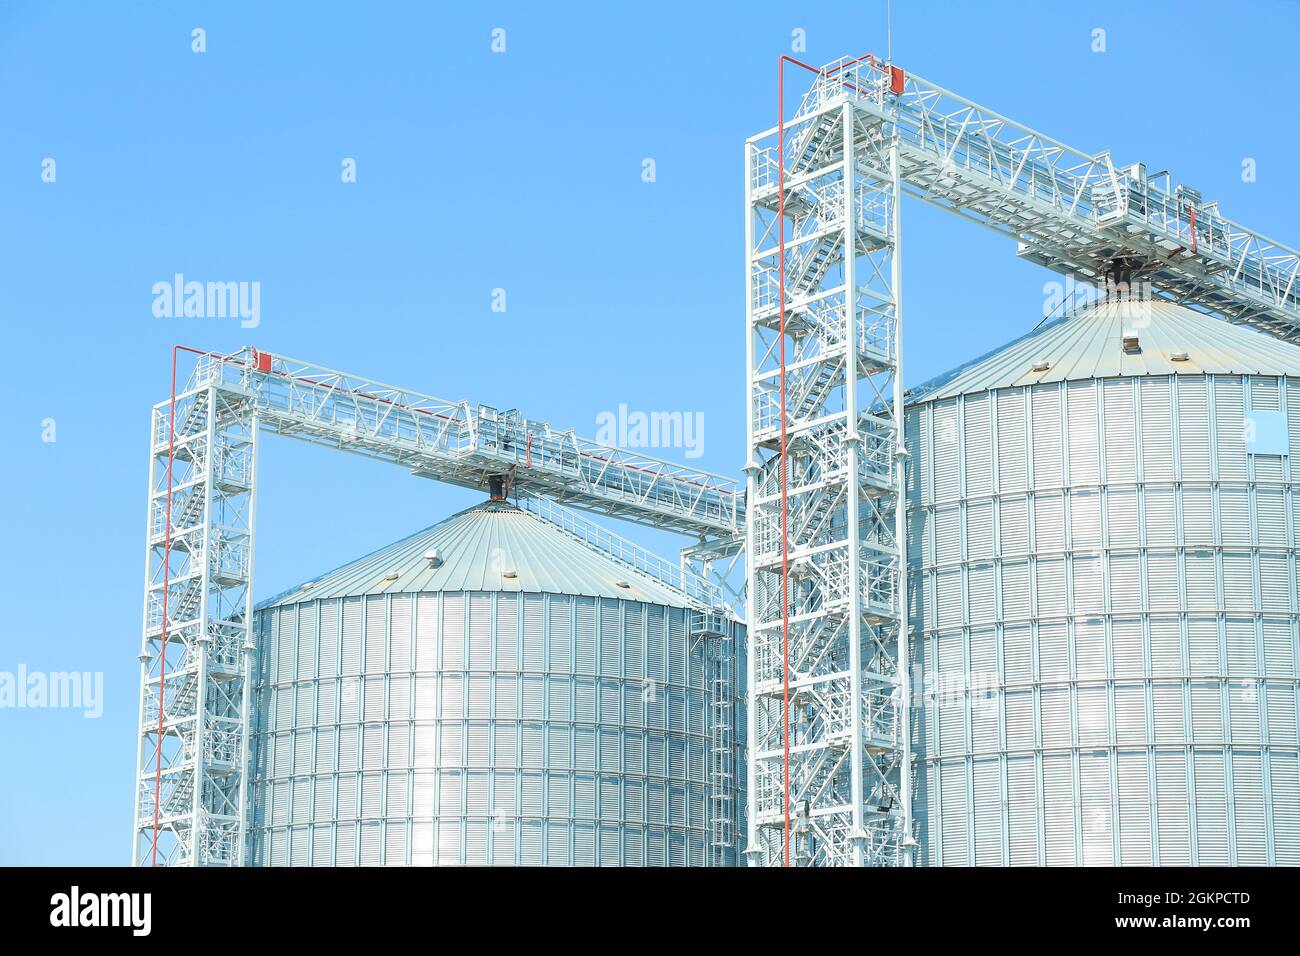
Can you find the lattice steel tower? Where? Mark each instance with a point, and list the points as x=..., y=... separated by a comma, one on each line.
x=827, y=674
x=197, y=637
x=197, y=650
x=830, y=767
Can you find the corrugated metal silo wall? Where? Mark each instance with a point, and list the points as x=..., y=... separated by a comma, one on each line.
x=485, y=728
x=1104, y=614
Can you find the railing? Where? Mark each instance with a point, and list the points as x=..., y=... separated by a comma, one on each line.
x=233, y=466
x=764, y=170
x=230, y=554
x=222, y=743
x=875, y=335
x=459, y=442
x=1268, y=267
x=659, y=486
x=1062, y=197
x=880, y=718
x=180, y=587
x=1233, y=270
x=705, y=595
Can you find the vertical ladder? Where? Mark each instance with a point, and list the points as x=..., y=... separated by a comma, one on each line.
x=714, y=633
x=722, y=781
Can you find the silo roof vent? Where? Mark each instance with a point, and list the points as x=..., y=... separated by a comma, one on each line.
x=1178, y=357
x=1040, y=366
x=1131, y=343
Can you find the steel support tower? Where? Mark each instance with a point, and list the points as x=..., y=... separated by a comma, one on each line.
x=821, y=519
x=830, y=775
x=827, y=569
x=198, y=649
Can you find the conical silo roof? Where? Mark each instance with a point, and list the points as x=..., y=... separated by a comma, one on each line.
x=493, y=546
x=1089, y=343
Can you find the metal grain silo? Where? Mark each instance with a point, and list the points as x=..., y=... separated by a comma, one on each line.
x=1103, y=525
x=495, y=689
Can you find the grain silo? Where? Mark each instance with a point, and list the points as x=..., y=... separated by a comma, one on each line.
x=1104, y=524
x=495, y=689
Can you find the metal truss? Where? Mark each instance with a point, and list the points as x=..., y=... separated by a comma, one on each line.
x=700, y=593
x=197, y=654
x=830, y=773
x=464, y=444
x=1071, y=211
x=820, y=523
x=197, y=644
x=826, y=567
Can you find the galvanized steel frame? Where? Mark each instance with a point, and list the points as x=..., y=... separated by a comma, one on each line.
x=1072, y=211
x=464, y=444
x=827, y=637
x=861, y=122
x=197, y=642
x=193, y=738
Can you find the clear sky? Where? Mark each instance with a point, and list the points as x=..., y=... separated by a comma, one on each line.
x=475, y=171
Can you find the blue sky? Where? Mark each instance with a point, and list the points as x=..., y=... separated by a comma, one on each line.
x=475, y=171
